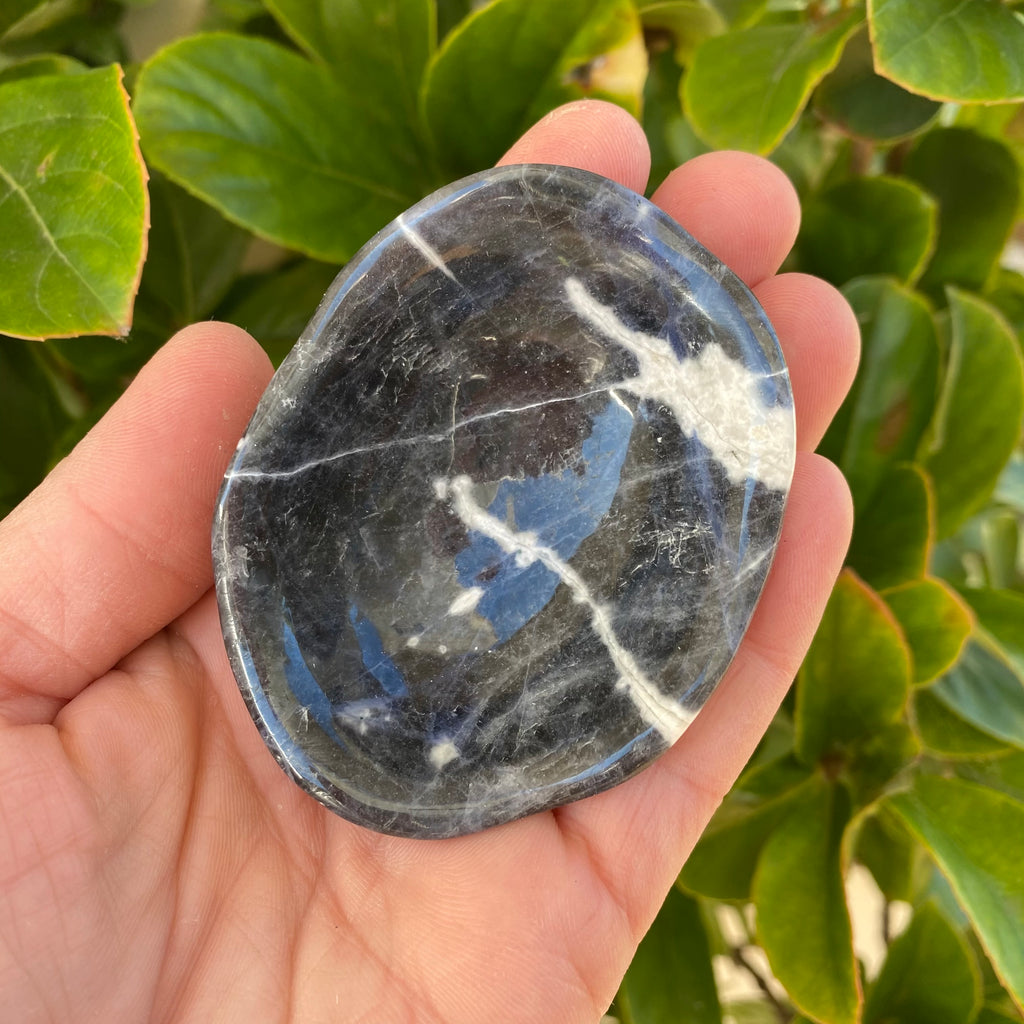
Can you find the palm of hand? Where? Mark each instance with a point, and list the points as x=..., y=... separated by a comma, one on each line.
x=157, y=865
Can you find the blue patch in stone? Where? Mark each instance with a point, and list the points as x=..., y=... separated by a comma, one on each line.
x=560, y=509
x=302, y=682
x=377, y=663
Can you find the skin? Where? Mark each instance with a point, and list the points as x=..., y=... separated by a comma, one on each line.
x=156, y=864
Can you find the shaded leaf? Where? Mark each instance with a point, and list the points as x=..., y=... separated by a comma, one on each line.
x=1010, y=486
x=897, y=862
x=275, y=308
x=929, y=975
x=35, y=67
x=976, y=837
x=723, y=862
x=877, y=759
x=861, y=102
x=866, y=226
x=984, y=689
x=935, y=623
x=746, y=88
x=944, y=732
x=1007, y=295
x=976, y=182
x=977, y=421
x=855, y=677
x=73, y=206
x=1001, y=615
x=740, y=13
x=685, y=22
x=893, y=535
x=967, y=52
x=269, y=139
x=882, y=420
x=377, y=49
x=13, y=11
x=670, y=978
x=802, y=920
x=1005, y=773
x=512, y=61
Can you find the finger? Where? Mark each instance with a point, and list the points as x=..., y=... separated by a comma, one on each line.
x=739, y=206
x=115, y=542
x=640, y=833
x=820, y=337
x=589, y=134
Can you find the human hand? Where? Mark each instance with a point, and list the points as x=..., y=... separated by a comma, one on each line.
x=157, y=865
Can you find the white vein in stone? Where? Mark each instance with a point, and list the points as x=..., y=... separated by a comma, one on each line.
x=710, y=395
x=655, y=708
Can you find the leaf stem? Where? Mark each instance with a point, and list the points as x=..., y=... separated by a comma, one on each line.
x=740, y=958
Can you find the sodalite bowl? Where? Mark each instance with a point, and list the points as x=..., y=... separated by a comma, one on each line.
x=501, y=518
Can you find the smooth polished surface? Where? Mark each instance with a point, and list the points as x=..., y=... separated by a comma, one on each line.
x=501, y=519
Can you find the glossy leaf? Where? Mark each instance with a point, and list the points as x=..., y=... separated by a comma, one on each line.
x=270, y=139
x=746, y=88
x=866, y=226
x=670, y=978
x=976, y=183
x=882, y=420
x=723, y=862
x=511, y=61
x=1001, y=615
x=960, y=50
x=73, y=206
x=929, y=975
x=377, y=49
x=855, y=677
x=862, y=103
x=935, y=623
x=976, y=837
x=802, y=920
x=275, y=308
x=984, y=689
x=944, y=732
x=977, y=422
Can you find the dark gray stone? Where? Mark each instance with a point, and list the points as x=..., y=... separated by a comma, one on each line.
x=501, y=519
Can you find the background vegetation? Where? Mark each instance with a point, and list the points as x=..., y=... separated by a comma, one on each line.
x=310, y=123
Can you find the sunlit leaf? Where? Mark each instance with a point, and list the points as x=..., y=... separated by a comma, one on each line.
x=967, y=51
x=935, y=623
x=270, y=139
x=977, y=422
x=512, y=61
x=73, y=206
x=670, y=978
x=855, y=677
x=746, y=88
x=976, y=837
x=802, y=919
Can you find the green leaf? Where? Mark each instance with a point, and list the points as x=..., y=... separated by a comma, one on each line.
x=882, y=420
x=977, y=421
x=1006, y=293
x=984, y=689
x=868, y=226
x=1005, y=773
x=745, y=89
x=37, y=67
x=275, y=308
x=512, y=61
x=944, y=732
x=897, y=862
x=892, y=537
x=685, y=22
x=14, y=10
x=722, y=863
x=935, y=623
x=194, y=255
x=1001, y=616
x=31, y=419
x=1010, y=487
x=864, y=104
x=961, y=50
x=928, y=975
x=670, y=978
x=802, y=920
x=977, y=184
x=377, y=49
x=855, y=678
x=269, y=139
x=976, y=837
x=72, y=206
x=877, y=759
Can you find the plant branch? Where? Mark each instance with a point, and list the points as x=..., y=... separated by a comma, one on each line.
x=740, y=958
